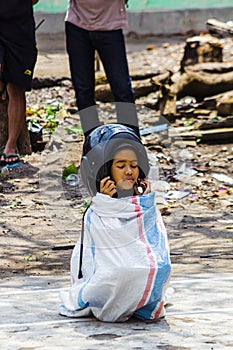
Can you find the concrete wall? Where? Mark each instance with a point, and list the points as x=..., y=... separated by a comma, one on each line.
x=151, y=22
x=175, y=21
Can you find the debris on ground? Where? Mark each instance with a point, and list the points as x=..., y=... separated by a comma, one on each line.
x=190, y=149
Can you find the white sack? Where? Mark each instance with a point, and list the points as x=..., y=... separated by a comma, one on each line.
x=126, y=264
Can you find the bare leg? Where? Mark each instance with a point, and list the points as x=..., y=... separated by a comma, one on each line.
x=2, y=85
x=16, y=114
x=3, y=91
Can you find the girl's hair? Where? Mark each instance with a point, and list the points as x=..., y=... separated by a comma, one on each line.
x=99, y=149
x=110, y=152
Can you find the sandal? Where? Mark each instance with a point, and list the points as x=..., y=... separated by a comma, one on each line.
x=7, y=162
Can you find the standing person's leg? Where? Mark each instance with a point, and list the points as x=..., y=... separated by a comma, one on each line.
x=3, y=94
x=81, y=58
x=2, y=84
x=111, y=48
x=20, y=54
x=16, y=114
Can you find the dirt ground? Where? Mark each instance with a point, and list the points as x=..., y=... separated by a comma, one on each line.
x=41, y=216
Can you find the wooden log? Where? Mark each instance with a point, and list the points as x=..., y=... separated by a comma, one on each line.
x=47, y=82
x=200, y=81
x=201, y=84
x=100, y=77
x=140, y=87
x=167, y=101
x=212, y=102
x=222, y=29
x=211, y=67
x=222, y=123
x=23, y=144
x=210, y=135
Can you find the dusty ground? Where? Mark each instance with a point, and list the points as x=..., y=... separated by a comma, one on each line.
x=41, y=215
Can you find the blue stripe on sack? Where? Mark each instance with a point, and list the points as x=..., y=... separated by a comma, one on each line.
x=154, y=236
x=162, y=276
x=81, y=303
x=88, y=223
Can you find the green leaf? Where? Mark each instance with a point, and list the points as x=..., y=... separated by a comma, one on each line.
x=75, y=130
x=70, y=169
x=85, y=204
x=28, y=257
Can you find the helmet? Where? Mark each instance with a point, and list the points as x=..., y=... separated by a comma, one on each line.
x=99, y=149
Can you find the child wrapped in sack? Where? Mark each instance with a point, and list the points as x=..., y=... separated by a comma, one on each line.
x=125, y=263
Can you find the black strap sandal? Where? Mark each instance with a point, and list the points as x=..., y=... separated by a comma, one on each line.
x=8, y=162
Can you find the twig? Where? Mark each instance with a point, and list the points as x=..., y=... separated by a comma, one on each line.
x=63, y=247
x=212, y=255
x=39, y=24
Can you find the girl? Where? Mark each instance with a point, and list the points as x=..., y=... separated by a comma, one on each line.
x=120, y=267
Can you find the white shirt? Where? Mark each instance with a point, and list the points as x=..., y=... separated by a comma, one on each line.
x=97, y=14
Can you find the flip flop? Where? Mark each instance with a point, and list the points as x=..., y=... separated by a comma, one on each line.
x=13, y=155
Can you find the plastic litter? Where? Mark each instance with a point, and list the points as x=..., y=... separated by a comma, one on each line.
x=153, y=129
x=72, y=180
x=223, y=178
x=177, y=194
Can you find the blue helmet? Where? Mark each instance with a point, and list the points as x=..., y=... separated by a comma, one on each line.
x=99, y=149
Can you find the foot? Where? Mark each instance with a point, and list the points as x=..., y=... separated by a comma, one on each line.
x=9, y=157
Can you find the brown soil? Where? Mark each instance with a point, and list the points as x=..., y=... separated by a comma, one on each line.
x=36, y=235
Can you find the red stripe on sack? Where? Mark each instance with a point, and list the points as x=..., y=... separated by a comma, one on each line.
x=72, y=280
x=158, y=312
x=152, y=262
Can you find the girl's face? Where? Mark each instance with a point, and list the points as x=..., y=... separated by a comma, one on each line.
x=124, y=169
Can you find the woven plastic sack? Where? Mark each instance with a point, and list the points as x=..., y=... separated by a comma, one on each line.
x=126, y=264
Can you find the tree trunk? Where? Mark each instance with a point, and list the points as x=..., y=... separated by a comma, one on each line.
x=23, y=144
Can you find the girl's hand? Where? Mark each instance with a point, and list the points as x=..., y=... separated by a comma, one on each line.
x=107, y=186
x=143, y=188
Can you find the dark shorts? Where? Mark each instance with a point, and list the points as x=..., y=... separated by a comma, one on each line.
x=18, y=51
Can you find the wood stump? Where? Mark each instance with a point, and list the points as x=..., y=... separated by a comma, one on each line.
x=199, y=49
x=23, y=144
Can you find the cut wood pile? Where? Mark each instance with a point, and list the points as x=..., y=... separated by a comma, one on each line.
x=198, y=95
x=201, y=92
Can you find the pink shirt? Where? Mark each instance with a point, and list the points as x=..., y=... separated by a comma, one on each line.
x=97, y=14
